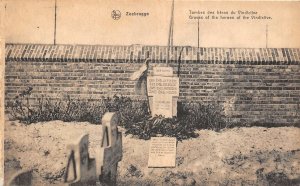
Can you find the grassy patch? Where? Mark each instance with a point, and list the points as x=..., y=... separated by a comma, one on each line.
x=134, y=115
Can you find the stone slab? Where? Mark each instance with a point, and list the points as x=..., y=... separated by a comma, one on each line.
x=162, y=152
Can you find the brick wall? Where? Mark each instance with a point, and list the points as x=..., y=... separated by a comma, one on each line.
x=253, y=85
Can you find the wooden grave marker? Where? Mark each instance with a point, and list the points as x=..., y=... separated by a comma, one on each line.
x=111, y=149
x=21, y=178
x=81, y=169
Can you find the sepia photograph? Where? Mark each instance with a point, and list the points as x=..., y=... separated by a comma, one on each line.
x=149, y=92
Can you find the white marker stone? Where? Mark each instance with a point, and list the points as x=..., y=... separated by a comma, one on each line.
x=162, y=152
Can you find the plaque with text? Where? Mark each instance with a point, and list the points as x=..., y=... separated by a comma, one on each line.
x=163, y=85
x=162, y=152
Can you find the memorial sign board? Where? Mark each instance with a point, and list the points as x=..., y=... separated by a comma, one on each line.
x=159, y=85
x=162, y=152
x=163, y=92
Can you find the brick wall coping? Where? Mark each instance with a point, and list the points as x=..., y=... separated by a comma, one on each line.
x=138, y=53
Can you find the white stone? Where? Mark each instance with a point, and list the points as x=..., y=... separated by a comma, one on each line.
x=162, y=152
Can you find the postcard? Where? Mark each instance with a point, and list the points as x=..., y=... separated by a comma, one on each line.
x=150, y=92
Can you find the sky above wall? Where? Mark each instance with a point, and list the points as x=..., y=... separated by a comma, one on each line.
x=90, y=22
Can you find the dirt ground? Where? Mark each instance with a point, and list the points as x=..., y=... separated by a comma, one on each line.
x=238, y=156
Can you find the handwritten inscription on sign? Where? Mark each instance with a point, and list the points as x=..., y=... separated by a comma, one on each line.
x=162, y=152
x=163, y=71
x=163, y=85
